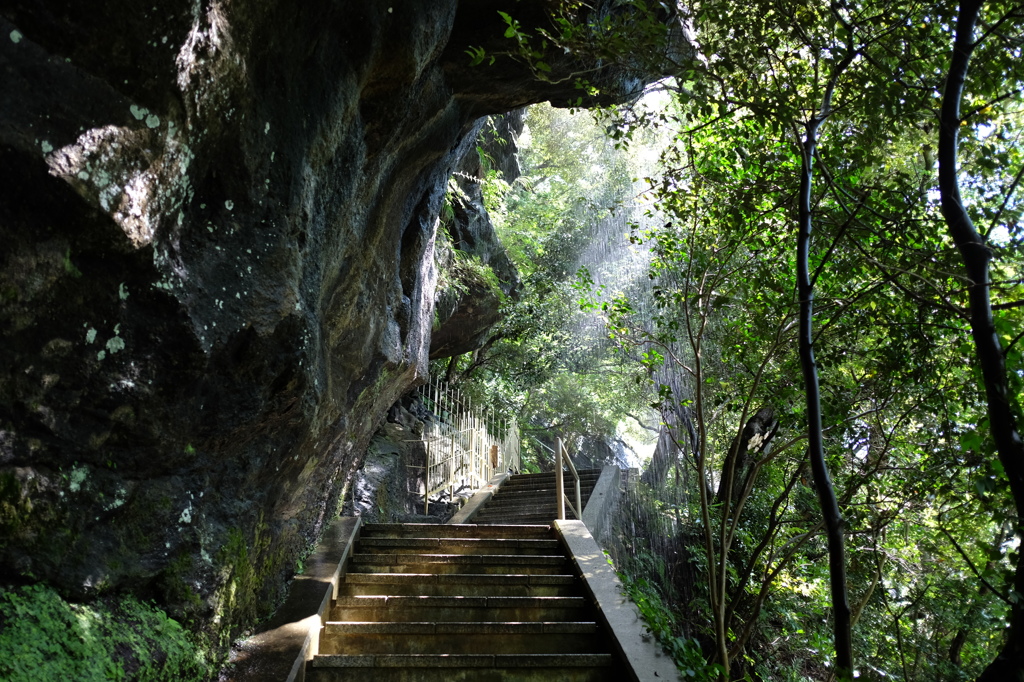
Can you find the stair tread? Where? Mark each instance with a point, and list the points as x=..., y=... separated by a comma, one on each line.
x=459, y=529
x=462, y=660
x=581, y=472
x=525, y=518
x=455, y=600
x=545, y=478
x=458, y=578
x=507, y=559
x=524, y=500
x=415, y=542
x=463, y=627
x=548, y=484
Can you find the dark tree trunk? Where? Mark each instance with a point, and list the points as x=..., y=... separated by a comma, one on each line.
x=815, y=441
x=665, y=453
x=1009, y=664
x=755, y=440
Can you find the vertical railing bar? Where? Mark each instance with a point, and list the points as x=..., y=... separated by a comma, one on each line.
x=458, y=441
x=579, y=504
x=559, y=482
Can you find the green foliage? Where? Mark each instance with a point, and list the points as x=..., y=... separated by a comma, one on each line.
x=558, y=382
x=660, y=621
x=906, y=433
x=69, y=267
x=931, y=527
x=469, y=270
x=588, y=35
x=43, y=637
x=246, y=565
x=14, y=507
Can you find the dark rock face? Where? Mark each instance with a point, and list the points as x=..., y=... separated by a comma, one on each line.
x=389, y=484
x=477, y=274
x=218, y=223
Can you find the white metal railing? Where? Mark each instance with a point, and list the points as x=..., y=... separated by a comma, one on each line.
x=465, y=447
x=561, y=458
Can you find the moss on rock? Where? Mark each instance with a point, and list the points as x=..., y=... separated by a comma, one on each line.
x=43, y=637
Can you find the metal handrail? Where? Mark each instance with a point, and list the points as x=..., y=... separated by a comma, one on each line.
x=562, y=455
x=464, y=445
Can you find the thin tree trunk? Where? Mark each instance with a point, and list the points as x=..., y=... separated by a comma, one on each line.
x=975, y=254
x=815, y=441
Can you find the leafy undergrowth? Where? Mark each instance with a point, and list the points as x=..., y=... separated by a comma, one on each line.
x=661, y=623
x=43, y=637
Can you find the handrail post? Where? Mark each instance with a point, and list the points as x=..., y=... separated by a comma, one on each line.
x=579, y=500
x=559, y=490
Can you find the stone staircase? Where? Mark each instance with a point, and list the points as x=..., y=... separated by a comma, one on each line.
x=531, y=499
x=462, y=603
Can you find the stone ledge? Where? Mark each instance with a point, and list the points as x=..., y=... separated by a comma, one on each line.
x=603, y=500
x=279, y=652
x=642, y=654
x=479, y=500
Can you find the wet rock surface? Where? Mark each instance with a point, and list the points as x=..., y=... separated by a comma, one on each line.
x=477, y=276
x=218, y=222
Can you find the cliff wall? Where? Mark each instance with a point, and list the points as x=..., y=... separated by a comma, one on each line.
x=218, y=220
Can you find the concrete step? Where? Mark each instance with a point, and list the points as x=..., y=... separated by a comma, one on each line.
x=463, y=668
x=520, y=514
x=519, y=508
x=540, y=506
x=458, y=584
x=440, y=545
x=462, y=603
x=518, y=479
x=568, y=484
x=459, y=563
x=460, y=638
x=551, y=474
x=428, y=530
x=405, y=609
x=525, y=519
x=547, y=481
x=530, y=497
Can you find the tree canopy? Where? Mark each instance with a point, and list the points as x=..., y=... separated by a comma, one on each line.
x=831, y=327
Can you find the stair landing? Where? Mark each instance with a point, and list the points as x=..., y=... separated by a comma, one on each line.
x=532, y=498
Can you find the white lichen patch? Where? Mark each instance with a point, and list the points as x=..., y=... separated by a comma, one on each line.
x=119, y=499
x=115, y=344
x=229, y=205
x=77, y=478
x=186, y=515
x=266, y=129
x=101, y=356
x=90, y=335
x=46, y=147
x=16, y=36
x=138, y=175
x=122, y=292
